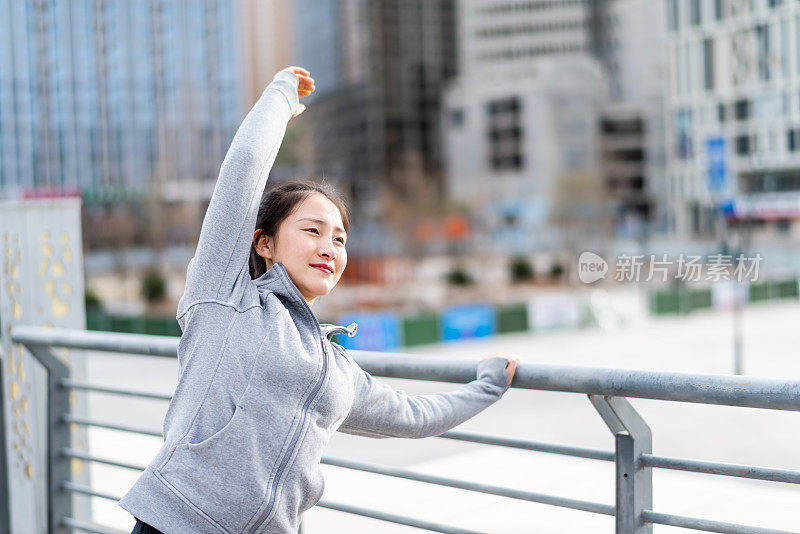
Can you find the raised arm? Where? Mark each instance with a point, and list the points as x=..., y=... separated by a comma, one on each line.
x=380, y=411
x=223, y=248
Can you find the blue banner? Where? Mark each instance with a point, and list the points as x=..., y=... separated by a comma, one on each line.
x=476, y=320
x=376, y=331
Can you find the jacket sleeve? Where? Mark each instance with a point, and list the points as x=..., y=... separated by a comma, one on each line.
x=380, y=411
x=224, y=246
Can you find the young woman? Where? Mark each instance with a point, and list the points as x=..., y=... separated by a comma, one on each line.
x=261, y=387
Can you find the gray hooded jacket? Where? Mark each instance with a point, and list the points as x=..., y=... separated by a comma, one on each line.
x=261, y=387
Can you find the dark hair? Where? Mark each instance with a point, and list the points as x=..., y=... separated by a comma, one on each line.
x=279, y=202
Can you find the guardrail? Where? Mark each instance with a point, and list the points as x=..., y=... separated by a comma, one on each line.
x=607, y=390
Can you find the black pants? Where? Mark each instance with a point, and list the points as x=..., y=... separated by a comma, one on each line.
x=143, y=528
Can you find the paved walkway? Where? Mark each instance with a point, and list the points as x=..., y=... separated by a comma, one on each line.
x=701, y=342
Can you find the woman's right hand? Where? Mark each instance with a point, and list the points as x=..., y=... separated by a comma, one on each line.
x=511, y=366
x=305, y=87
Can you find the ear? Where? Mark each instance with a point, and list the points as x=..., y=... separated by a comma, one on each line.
x=263, y=244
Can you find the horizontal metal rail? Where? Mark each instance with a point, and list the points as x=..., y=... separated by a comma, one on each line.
x=73, y=338
x=89, y=527
x=411, y=475
x=85, y=490
x=80, y=455
x=552, y=448
x=563, y=502
x=706, y=524
x=394, y=518
x=83, y=421
x=728, y=390
x=83, y=386
x=716, y=468
x=648, y=460
x=648, y=516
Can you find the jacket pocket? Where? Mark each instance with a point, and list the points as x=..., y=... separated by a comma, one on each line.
x=216, y=436
x=224, y=475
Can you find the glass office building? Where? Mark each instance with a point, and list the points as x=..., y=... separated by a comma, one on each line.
x=114, y=97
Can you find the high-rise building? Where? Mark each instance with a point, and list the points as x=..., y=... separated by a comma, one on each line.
x=116, y=98
x=267, y=43
x=633, y=51
x=318, y=31
x=496, y=34
x=733, y=114
x=376, y=123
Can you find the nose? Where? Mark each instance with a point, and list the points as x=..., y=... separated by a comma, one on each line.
x=327, y=249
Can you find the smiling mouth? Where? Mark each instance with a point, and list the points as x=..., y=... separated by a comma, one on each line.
x=323, y=269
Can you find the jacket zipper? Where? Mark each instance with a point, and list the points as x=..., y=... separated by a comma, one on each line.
x=285, y=459
x=309, y=400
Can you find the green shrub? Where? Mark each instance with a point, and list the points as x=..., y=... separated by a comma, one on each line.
x=521, y=269
x=556, y=271
x=459, y=277
x=154, y=287
x=92, y=300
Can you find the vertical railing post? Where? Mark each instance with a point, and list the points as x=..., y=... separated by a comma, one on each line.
x=632, y=437
x=59, y=437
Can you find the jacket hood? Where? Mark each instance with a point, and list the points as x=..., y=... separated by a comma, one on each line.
x=277, y=280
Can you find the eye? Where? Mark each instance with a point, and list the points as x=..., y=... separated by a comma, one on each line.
x=312, y=229
x=341, y=239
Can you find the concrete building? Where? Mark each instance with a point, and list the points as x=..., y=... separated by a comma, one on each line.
x=627, y=132
x=522, y=151
x=521, y=122
x=733, y=114
x=628, y=38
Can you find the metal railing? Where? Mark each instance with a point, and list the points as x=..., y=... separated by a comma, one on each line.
x=607, y=390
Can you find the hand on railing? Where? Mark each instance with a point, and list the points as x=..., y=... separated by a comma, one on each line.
x=511, y=366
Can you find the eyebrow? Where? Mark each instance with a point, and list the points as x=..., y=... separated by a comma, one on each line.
x=320, y=221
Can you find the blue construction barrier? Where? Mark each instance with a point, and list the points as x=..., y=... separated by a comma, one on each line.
x=475, y=320
x=376, y=331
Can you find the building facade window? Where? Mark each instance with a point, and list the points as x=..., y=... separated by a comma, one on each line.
x=718, y=10
x=673, y=14
x=694, y=12
x=763, y=61
x=683, y=133
x=742, y=143
x=505, y=134
x=741, y=109
x=771, y=182
x=457, y=117
x=708, y=64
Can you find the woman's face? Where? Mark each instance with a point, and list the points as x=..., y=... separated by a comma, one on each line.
x=311, y=235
